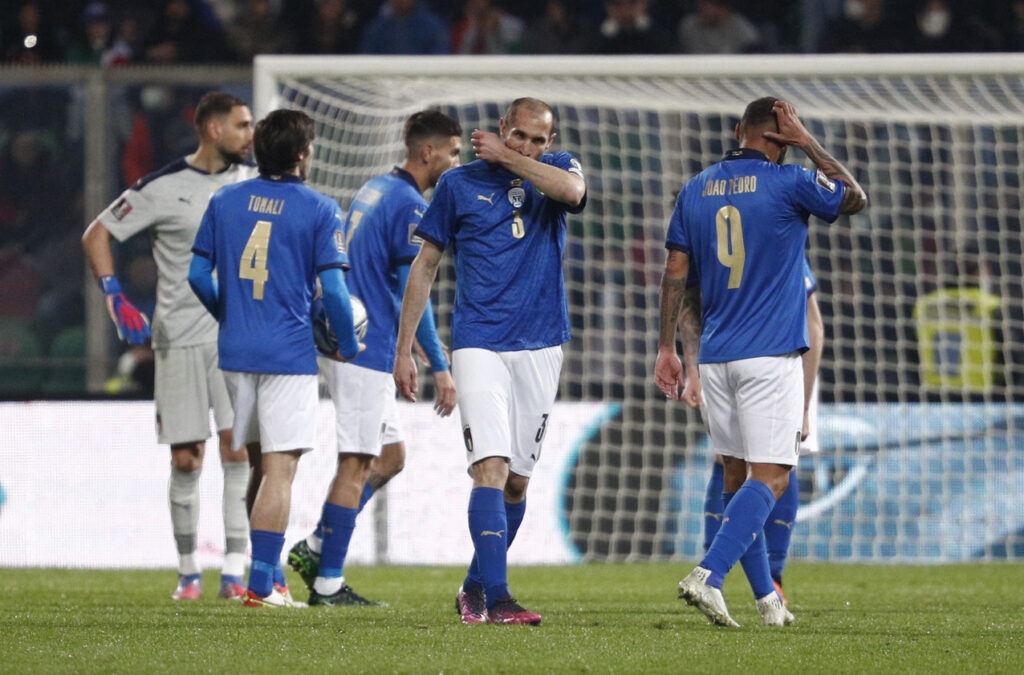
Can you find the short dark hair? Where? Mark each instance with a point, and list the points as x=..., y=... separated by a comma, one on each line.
x=213, y=104
x=759, y=113
x=427, y=124
x=279, y=138
x=534, y=105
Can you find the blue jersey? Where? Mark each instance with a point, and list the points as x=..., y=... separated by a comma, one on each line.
x=507, y=240
x=380, y=235
x=268, y=239
x=743, y=223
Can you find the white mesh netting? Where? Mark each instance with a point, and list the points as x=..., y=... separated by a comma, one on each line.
x=922, y=455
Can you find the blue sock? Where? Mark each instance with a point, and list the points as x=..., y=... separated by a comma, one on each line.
x=365, y=497
x=713, y=505
x=266, y=555
x=339, y=522
x=778, y=530
x=743, y=518
x=279, y=575
x=514, y=514
x=488, y=526
x=319, y=531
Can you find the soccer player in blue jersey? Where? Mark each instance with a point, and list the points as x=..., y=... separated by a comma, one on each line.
x=379, y=231
x=268, y=238
x=504, y=218
x=742, y=223
x=168, y=205
x=778, y=529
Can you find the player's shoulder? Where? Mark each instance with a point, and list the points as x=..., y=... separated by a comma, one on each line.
x=174, y=168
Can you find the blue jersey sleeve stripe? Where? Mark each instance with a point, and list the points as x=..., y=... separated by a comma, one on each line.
x=405, y=260
x=422, y=235
x=199, y=251
x=677, y=247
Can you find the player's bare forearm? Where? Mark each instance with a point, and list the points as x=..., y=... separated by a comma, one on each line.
x=417, y=291
x=689, y=327
x=96, y=244
x=855, y=199
x=812, y=357
x=673, y=288
x=792, y=132
x=556, y=183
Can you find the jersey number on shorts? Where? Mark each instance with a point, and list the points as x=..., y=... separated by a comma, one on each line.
x=253, y=264
x=730, y=243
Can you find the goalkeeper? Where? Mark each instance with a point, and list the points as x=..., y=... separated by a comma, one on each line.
x=504, y=218
x=378, y=231
x=169, y=205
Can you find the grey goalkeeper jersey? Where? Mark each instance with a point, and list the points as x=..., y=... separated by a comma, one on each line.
x=170, y=203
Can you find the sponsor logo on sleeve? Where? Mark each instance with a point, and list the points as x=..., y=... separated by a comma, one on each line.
x=121, y=208
x=825, y=182
x=339, y=241
x=575, y=167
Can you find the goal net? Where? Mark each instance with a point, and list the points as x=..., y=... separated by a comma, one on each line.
x=922, y=377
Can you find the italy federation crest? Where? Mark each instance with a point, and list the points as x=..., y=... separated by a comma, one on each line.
x=517, y=196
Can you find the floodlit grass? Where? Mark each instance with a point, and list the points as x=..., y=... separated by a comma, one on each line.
x=597, y=618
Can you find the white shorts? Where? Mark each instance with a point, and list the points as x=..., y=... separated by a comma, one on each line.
x=755, y=408
x=365, y=410
x=505, y=399
x=187, y=384
x=278, y=411
x=810, y=445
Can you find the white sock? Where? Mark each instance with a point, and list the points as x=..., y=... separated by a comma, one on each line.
x=328, y=586
x=236, y=520
x=183, y=495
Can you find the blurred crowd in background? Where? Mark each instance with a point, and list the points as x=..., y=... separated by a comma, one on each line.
x=118, y=32
x=42, y=216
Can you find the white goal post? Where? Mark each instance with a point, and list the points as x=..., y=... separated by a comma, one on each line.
x=922, y=381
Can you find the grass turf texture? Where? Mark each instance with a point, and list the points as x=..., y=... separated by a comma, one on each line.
x=597, y=618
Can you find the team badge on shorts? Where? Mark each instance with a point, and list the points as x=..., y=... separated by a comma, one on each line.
x=467, y=436
x=796, y=450
x=517, y=196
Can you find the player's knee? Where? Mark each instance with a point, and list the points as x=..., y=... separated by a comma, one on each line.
x=187, y=457
x=391, y=461
x=515, y=488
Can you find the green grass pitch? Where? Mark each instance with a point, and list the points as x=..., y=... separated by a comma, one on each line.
x=598, y=618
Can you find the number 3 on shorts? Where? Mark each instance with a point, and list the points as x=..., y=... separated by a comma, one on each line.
x=253, y=264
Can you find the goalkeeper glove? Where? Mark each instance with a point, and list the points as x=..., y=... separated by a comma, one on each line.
x=132, y=325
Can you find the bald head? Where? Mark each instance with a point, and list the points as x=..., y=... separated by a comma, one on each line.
x=531, y=106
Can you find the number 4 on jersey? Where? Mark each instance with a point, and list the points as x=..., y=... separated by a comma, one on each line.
x=253, y=264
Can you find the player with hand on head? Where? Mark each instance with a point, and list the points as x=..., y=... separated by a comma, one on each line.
x=742, y=223
x=169, y=204
x=379, y=232
x=504, y=218
x=778, y=529
x=268, y=239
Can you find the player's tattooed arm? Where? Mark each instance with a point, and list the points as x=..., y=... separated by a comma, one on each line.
x=855, y=199
x=673, y=291
x=668, y=370
x=792, y=132
x=689, y=326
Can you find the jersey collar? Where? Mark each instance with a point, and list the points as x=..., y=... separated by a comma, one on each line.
x=745, y=153
x=399, y=172
x=282, y=178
